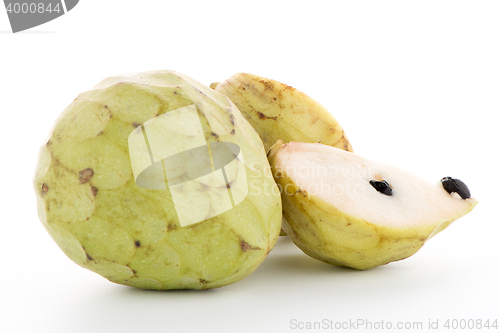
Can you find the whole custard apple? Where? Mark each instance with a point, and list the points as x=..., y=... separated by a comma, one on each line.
x=156, y=181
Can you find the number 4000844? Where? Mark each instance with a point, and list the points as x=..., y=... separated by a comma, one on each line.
x=470, y=324
x=32, y=8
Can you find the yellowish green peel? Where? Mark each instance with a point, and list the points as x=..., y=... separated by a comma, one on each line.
x=90, y=204
x=280, y=112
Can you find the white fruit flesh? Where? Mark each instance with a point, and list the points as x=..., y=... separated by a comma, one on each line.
x=333, y=213
x=342, y=179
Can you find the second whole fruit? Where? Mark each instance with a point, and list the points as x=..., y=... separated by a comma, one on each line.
x=280, y=112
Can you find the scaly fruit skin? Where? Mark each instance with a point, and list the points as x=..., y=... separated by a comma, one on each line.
x=280, y=112
x=90, y=204
x=329, y=235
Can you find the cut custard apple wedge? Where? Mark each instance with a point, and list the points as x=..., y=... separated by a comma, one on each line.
x=280, y=112
x=346, y=210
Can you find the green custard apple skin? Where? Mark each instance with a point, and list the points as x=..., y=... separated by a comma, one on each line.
x=339, y=234
x=280, y=112
x=90, y=204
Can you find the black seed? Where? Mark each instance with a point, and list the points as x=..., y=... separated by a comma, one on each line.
x=456, y=185
x=381, y=186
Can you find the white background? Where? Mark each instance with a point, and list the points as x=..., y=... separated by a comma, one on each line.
x=413, y=83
